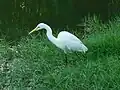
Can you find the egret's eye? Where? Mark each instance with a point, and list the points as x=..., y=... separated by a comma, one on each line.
x=65, y=40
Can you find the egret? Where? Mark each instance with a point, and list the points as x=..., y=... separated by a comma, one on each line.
x=65, y=40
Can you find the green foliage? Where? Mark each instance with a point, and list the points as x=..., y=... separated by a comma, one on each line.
x=36, y=64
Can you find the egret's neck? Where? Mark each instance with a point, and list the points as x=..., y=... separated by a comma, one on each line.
x=49, y=34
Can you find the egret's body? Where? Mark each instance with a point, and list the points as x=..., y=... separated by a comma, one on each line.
x=65, y=40
x=69, y=42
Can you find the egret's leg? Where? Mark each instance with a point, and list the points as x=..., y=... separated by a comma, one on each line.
x=66, y=59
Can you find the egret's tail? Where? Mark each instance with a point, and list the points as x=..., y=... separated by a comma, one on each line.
x=85, y=48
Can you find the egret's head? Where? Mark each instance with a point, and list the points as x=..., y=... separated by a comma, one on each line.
x=39, y=26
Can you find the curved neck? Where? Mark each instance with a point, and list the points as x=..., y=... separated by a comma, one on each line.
x=49, y=34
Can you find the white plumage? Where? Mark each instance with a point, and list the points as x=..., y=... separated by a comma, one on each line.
x=65, y=40
x=71, y=42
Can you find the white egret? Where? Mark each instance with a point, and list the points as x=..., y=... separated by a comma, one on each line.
x=65, y=40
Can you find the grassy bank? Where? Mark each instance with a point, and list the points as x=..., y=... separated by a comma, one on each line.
x=36, y=64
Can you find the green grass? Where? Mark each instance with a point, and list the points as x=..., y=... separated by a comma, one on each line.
x=34, y=63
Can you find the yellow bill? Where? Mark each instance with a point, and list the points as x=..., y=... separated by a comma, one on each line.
x=33, y=30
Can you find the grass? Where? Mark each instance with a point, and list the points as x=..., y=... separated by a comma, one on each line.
x=36, y=64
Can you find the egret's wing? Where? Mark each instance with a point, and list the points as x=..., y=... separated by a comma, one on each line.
x=66, y=36
x=71, y=42
x=73, y=45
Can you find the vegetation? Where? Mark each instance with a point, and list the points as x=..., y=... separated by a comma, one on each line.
x=35, y=64
x=54, y=11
